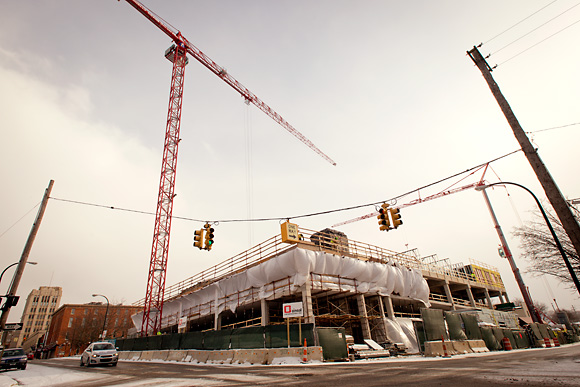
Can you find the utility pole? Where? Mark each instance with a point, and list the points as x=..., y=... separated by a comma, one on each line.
x=552, y=191
x=25, y=254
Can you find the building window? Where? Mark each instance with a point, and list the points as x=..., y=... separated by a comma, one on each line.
x=72, y=311
x=70, y=321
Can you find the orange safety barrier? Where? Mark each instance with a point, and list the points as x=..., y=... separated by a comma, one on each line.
x=547, y=343
x=305, y=354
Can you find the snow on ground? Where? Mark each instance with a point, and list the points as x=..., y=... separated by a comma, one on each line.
x=40, y=376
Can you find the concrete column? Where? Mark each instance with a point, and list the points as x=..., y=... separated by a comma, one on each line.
x=501, y=298
x=470, y=296
x=265, y=312
x=307, y=302
x=383, y=317
x=507, y=299
x=364, y=320
x=448, y=294
x=488, y=298
x=389, y=307
x=217, y=322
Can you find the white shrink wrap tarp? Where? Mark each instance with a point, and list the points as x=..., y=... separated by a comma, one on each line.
x=297, y=265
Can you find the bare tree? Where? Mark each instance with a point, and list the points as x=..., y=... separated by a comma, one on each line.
x=539, y=248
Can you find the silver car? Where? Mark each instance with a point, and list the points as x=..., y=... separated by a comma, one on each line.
x=101, y=352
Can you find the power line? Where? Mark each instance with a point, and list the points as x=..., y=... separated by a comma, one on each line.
x=541, y=41
x=524, y=19
x=290, y=217
x=23, y=216
x=535, y=29
x=555, y=127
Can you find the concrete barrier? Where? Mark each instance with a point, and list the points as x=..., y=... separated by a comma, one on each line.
x=220, y=357
x=250, y=356
x=146, y=355
x=160, y=355
x=461, y=347
x=196, y=356
x=129, y=355
x=435, y=348
x=176, y=355
x=477, y=346
x=315, y=354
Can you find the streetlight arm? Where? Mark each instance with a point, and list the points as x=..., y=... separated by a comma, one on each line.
x=558, y=244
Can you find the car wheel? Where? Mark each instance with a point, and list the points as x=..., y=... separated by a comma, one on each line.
x=23, y=367
x=82, y=364
x=114, y=364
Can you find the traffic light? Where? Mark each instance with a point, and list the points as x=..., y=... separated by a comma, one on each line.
x=208, y=236
x=10, y=302
x=198, y=239
x=396, y=217
x=383, y=218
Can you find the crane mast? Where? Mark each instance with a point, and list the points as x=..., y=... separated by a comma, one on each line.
x=177, y=53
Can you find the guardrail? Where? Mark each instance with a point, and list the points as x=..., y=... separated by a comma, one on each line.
x=335, y=243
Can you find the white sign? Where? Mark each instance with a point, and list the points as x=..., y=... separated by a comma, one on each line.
x=292, y=309
x=182, y=323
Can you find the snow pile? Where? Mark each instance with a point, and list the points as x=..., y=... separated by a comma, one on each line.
x=298, y=265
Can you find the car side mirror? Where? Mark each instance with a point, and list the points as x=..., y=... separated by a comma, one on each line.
x=117, y=348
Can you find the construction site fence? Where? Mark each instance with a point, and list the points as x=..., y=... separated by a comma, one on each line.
x=454, y=326
x=312, y=240
x=271, y=336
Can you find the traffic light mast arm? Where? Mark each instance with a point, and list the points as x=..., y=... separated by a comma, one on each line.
x=176, y=36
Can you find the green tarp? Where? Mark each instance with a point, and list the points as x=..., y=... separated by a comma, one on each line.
x=191, y=340
x=455, y=326
x=471, y=326
x=489, y=338
x=246, y=338
x=434, y=324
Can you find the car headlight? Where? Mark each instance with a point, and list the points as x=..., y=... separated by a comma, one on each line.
x=95, y=355
x=115, y=354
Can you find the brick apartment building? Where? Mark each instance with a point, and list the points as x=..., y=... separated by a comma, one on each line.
x=74, y=326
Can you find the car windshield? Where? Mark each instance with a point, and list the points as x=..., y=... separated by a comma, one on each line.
x=100, y=347
x=13, y=352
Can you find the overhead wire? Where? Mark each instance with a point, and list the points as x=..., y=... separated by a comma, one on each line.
x=535, y=29
x=297, y=216
x=555, y=127
x=23, y=216
x=521, y=21
x=541, y=41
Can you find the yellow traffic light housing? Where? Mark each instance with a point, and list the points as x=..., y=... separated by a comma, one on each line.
x=383, y=217
x=208, y=236
x=396, y=217
x=198, y=239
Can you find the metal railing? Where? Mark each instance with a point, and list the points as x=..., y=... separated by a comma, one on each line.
x=334, y=243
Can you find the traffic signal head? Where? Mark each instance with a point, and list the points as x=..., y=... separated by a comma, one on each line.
x=396, y=217
x=208, y=236
x=383, y=218
x=198, y=239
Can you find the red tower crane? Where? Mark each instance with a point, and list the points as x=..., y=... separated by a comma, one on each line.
x=177, y=54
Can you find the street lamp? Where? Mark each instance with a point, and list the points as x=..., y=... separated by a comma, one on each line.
x=556, y=240
x=14, y=264
x=106, y=312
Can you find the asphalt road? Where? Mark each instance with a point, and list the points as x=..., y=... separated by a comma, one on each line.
x=531, y=367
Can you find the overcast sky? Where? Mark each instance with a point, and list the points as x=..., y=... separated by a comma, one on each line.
x=384, y=88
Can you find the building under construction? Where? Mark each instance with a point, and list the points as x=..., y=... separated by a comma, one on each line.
x=371, y=292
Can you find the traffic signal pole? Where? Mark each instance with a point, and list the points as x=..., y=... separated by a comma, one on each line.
x=552, y=191
x=25, y=254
